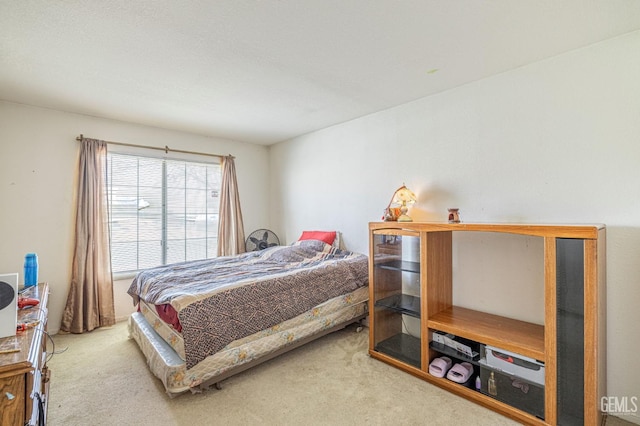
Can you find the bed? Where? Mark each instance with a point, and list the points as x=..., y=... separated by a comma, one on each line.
x=200, y=322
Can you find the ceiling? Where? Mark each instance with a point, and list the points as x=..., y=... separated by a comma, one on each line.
x=263, y=71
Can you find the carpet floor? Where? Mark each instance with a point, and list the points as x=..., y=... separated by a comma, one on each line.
x=101, y=378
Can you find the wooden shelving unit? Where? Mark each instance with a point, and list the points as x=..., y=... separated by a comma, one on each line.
x=24, y=374
x=411, y=287
x=514, y=335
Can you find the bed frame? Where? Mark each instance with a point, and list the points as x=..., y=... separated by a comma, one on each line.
x=159, y=350
x=216, y=381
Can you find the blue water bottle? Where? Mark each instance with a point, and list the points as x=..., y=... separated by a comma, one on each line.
x=30, y=269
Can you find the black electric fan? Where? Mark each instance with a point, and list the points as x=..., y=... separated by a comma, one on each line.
x=261, y=239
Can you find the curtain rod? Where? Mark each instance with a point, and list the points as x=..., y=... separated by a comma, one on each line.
x=166, y=149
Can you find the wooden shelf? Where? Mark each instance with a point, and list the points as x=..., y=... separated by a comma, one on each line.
x=583, y=231
x=574, y=260
x=513, y=335
x=485, y=400
x=22, y=372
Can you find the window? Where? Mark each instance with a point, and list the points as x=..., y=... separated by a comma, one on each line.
x=161, y=211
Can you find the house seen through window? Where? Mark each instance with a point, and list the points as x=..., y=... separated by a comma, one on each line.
x=161, y=211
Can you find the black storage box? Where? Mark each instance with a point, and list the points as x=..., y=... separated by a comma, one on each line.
x=515, y=391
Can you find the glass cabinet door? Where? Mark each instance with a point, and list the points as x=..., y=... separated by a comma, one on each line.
x=396, y=295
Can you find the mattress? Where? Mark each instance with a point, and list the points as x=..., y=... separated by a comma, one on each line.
x=164, y=330
x=164, y=348
x=215, y=302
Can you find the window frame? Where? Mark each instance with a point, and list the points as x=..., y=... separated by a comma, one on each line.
x=174, y=157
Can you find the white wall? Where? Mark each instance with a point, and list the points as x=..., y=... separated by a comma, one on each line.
x=557, y=141
x=38, y=155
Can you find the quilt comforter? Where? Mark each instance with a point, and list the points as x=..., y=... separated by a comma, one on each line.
x=227, y=298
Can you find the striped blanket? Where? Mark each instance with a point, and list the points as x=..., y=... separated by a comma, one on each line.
x=227, y=298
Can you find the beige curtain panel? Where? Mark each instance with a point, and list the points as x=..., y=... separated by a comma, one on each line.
x=230, y=226
x=90, y=300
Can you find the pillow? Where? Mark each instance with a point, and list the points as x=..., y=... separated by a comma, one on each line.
x=326, y=236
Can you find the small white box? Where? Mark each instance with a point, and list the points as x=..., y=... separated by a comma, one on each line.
x=439, y=337
x=515, y=364
x=451, y=341
x=8, y=304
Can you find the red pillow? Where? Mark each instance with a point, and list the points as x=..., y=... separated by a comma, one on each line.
x=326, y=236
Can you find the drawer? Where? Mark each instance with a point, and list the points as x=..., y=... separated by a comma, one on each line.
x=513, y=390
x=516, y=365
x=12, y=400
